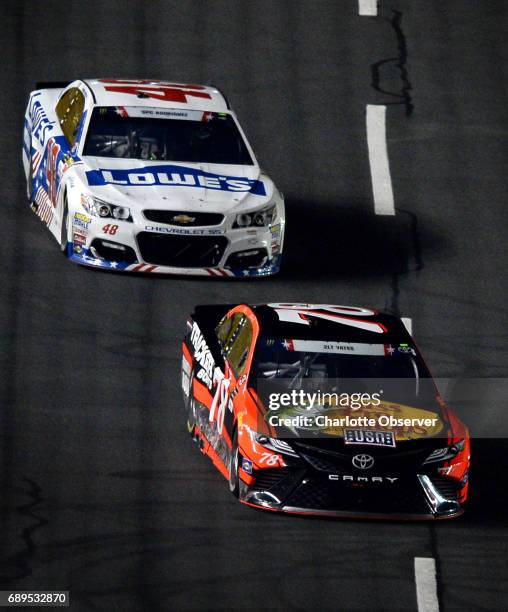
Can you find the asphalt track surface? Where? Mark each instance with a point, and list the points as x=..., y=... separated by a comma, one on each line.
x=103, y=493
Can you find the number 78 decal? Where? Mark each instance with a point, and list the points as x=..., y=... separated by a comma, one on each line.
x=346, y=315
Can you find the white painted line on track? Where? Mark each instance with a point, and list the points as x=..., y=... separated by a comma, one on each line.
x=367, y=8
x=378, y=159
x=426, y=584
x=408, y=324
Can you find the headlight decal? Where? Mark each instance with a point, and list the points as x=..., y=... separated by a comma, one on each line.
x=259, y=218
x=443, y=454
x=99, y=208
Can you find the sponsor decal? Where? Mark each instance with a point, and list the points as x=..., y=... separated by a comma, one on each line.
x=212, y=376
x=363, y=461
x=174, y=176
x=81, y=220
x=41, y=125
x=79, y=238
x=247, y=466
x=203, y=356
x=275, y=231
x=369, y=437
x=360, y=479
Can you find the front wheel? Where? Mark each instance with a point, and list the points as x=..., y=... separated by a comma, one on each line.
x=64, y=231
x=191, y=408
x=234, y=480
x=30, y=183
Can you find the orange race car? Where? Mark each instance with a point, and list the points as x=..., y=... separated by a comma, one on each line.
x=321, y=409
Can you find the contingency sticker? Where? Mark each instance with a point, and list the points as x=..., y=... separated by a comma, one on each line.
x=369, y=437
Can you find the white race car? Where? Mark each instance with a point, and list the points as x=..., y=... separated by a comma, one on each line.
x=149, y=176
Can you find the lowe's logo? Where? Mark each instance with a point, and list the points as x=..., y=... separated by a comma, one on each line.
x=174, y=176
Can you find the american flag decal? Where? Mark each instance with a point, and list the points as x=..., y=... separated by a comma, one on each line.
x=36, y=160
x=43, y=207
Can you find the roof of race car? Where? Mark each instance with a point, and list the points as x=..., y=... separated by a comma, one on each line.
x=323, y=324
x=162, y=94
x=313, y=326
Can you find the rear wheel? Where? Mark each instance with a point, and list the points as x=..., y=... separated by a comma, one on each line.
x=234, y=480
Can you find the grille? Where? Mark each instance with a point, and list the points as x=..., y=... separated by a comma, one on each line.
x=322, y=464
x=265, y=479
x=171, y=217
x=387, y=460
x=319, y=494
x=181, y=251
x=448, y=487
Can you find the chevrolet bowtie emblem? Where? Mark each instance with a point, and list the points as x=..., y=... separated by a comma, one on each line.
x=183, y=219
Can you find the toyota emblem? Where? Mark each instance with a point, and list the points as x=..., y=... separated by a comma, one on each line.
x=363, y=462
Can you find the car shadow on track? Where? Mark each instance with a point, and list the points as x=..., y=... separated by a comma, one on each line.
x=329, y=240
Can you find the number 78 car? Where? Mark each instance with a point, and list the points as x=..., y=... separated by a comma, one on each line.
x=322, y=409
x=150, y=176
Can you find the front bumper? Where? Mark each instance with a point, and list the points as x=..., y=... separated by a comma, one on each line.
x=302, y=491
x=208, y=251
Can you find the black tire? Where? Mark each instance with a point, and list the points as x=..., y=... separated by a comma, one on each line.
x=64, y=232
x=191, y=409
x=30, y=182
x=234, y=480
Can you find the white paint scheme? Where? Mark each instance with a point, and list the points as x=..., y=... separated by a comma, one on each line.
x=378, y=159
x=367, y=8
x=426, y=584
x=74, y=183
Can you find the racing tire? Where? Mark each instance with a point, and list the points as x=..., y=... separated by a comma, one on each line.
x=64, y=230
x=191, y=408
x=234, y=479
x=30, y=184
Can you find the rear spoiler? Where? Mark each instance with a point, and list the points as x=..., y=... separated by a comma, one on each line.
x=52, y=84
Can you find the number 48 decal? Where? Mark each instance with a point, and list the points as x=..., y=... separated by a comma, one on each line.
x=110, y=229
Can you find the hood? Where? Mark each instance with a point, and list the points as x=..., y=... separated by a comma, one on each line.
x=175, y=185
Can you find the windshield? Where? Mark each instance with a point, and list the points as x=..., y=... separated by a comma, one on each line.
x=301, y=359
x=332, y=366
x=302, y=383
x=165, y=135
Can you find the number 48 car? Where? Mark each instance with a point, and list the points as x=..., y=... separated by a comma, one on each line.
x=150, y=176
x=325, y=410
